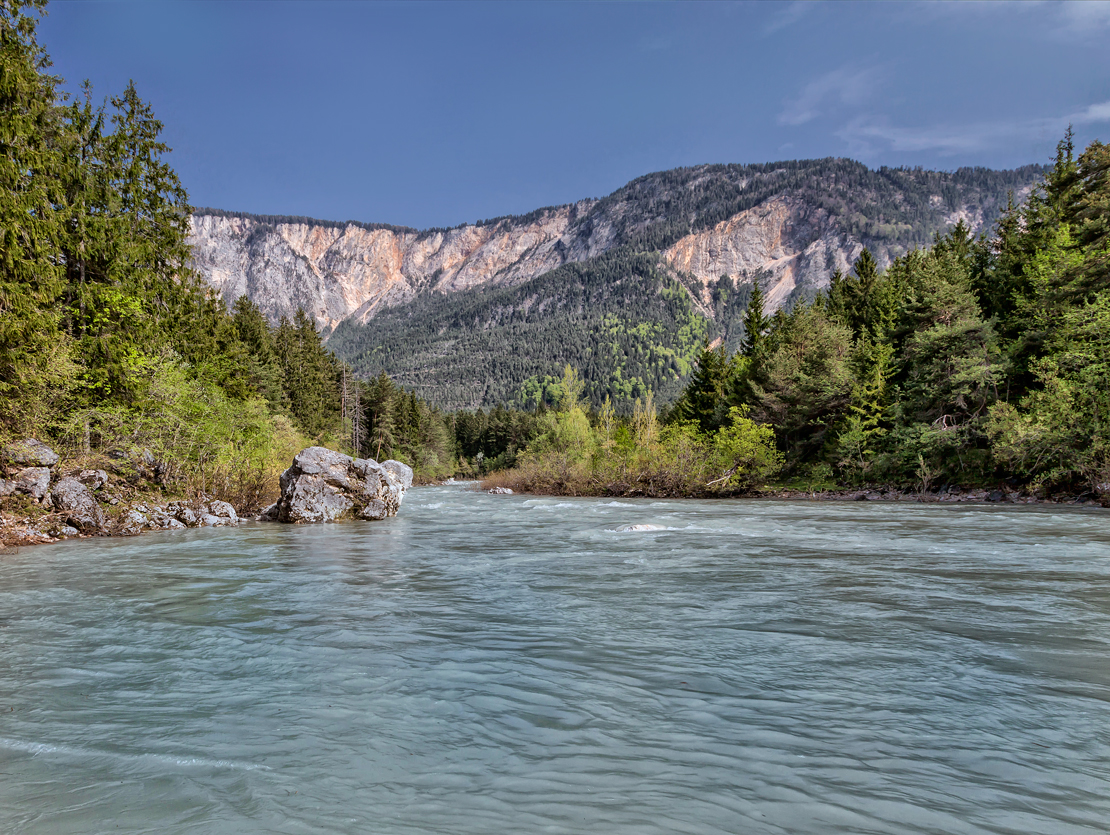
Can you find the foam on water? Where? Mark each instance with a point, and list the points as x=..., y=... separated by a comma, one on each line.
x=472, y=666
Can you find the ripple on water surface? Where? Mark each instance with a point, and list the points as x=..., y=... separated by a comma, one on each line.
x=504, y=664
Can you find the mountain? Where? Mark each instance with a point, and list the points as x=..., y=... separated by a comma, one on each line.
x=626, y=287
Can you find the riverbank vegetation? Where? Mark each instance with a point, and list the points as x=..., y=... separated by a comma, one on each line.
x=970, y=363
x=109, y=344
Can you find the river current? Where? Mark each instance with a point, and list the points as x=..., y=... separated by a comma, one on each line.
x=504, y=664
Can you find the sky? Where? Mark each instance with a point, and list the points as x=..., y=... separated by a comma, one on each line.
x=437, y=113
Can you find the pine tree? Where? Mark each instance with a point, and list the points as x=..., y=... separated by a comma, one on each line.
x=755, y=322
x=30, y=161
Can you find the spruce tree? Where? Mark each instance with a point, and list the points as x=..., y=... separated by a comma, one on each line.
x=755, y=322
x=30, y=162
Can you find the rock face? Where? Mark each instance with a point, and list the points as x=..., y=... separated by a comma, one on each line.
x=336, y=271
x=325, y=486
x=791, y=243
x=793, y=224
x=26, y=465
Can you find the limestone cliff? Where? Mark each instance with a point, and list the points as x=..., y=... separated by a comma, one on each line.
x=790, y=224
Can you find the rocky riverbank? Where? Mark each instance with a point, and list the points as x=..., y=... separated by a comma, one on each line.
x=44, y=499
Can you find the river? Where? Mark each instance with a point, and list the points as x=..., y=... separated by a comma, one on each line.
x=500, y=664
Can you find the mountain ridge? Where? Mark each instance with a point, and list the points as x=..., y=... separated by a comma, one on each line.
x=790, y=225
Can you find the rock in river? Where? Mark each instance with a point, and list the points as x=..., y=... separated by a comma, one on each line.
x=324, y=486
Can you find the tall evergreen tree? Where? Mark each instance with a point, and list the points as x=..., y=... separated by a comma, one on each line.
x=30, y=162
x=755, y=322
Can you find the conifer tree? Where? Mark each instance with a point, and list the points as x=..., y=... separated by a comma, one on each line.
x=30, y=162
x=755, y=322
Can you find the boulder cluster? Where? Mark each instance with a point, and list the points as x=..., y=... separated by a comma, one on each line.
x=324, y=486
x=321, y=486
x=82, y=502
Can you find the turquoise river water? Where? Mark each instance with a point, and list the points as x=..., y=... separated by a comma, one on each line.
x=499, y=664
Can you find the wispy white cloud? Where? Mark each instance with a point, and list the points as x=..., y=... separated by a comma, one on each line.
x=844, y=86
x=868, y=134
x=787, y=16
x=1086, y=17
x=1069, y=19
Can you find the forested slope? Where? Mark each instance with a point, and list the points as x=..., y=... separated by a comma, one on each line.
x=623, y=319
x=389, y=292
x=607, y=315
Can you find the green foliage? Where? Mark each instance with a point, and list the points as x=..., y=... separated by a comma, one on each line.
x=963, y=363
x=703, y=399
x=622, y=319
x=809, y=380
x=30, y=163
x=1060, y=431
x=639, y=457
x=107, y=338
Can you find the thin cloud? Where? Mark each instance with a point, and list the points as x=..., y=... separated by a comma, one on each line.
x=866, y=135
x=1085, y=17
x=787, y=17
x=843, y=86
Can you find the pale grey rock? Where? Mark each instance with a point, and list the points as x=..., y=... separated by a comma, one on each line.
x=183, y=513
x=131, y=523
x=500, y=491
x=34, y=481
x=93, y=479
x=324, y=486
x=223, y=511
x=29, y=453
x=160, y=521
x=73, y=499
x=403, y=472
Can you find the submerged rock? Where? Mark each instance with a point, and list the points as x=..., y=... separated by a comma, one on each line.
x=324, y=485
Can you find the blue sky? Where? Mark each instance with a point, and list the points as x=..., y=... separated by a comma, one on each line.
x=432, y=114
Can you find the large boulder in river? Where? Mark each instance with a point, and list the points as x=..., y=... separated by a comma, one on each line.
x=324, y=486
x=73, y=500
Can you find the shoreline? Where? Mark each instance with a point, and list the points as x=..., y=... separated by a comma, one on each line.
x=125, y=518
x=45, y=498
x=944, y=495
